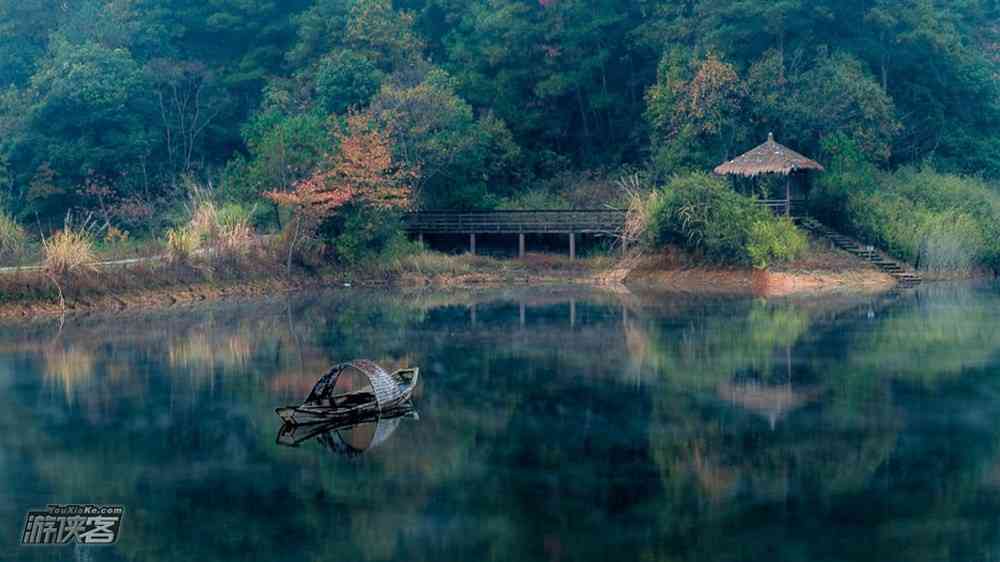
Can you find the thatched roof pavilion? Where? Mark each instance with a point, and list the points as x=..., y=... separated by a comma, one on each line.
x=770, y=158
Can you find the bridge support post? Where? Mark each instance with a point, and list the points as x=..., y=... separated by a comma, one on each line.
x=420, y=238
x=472, y=243
x=520, y=245
x=572, y=245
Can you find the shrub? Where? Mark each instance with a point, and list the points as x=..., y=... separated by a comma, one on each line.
x=361, y=232
x=938, y=222
x=402, y=254
x=848, y=172
x=232, y=214
x=773, y=241
x=701, y=213
x=298, y=244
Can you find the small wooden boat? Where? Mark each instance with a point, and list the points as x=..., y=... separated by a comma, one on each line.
x=386, y=393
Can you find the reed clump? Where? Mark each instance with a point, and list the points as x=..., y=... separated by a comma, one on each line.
x=69, y=250
x=182, y=243
x=213, y=231
x=13, y=238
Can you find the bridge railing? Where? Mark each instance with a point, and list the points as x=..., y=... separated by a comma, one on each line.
x=796, y=207
x=543, y=221
x=512, y=222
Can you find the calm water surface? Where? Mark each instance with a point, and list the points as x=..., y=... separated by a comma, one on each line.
x=553, y=425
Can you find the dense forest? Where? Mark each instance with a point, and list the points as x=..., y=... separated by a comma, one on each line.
x=118, y=107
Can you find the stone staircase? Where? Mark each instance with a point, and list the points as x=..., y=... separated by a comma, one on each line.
x=904, y=275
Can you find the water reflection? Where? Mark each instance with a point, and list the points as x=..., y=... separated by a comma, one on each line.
x=554, y=424
x=350, y=436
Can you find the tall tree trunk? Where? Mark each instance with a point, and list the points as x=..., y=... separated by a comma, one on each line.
x=584, y=146
x=885, y=71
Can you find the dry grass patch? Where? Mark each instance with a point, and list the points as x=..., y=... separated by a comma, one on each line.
x=432, y=264
x=68, y=251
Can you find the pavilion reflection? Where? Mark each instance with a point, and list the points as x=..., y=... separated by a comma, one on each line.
x=770, y=401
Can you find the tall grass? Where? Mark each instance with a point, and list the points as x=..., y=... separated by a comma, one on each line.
x=236, y=238
x=641, y=204
x=12, y=238
x=224, y=231
x=69, y=250
x=204, y=222
x=182, y=243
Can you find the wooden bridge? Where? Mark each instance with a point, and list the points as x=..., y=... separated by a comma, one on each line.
x=569, y=222
x=608, y=222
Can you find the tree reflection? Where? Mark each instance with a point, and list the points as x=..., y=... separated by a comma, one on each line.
x=853, y=428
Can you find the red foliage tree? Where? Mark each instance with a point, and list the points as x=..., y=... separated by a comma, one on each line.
x=362, y=171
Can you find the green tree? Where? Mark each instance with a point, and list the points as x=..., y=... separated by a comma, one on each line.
x=283, y=149
x=562, y=73
x=696, y=122
x=345, y=79
x=83, y=117
x=434, y=130
x=25, y=26
x=838, y=95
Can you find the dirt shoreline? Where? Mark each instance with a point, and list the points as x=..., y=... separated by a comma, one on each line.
x=644, y=275
x=203, y=292
x=757, y=283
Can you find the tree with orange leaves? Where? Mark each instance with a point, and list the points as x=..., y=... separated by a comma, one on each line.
x=362, y=171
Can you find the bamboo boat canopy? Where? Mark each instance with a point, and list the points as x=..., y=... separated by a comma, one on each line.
x=768, y=158
x=384, y=387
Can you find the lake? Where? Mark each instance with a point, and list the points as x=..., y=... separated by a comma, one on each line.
x=552, y=424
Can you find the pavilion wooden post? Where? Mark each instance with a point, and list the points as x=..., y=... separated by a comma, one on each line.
x=520, y=245
x=788, y=195
x=572, y=245
x=472, y=243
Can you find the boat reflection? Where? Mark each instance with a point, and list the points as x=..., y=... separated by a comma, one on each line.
x=350, y=435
